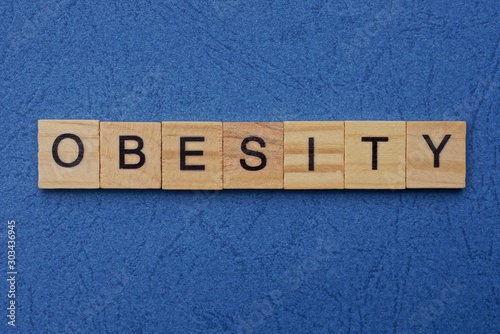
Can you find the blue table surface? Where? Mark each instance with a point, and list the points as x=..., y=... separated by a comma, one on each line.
x=251, y=261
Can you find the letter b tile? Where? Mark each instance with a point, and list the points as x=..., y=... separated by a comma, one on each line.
x=130, y=155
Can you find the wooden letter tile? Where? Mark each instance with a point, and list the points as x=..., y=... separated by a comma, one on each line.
x=435, y=155
x=314, y=155
x=253, y=155
x=375, y=155
x=139, y=165
x=68, y=154
x=192, y=155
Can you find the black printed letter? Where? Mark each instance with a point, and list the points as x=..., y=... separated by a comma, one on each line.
x=136, y=151
x=55, y=147
x=185, y=153
x=260, y=155
x=436, y=151
x=311, y=153
x=375, y=141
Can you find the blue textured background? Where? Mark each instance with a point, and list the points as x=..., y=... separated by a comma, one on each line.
x=248, y=261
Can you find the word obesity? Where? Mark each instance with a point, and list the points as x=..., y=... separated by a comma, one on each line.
x=251, y=155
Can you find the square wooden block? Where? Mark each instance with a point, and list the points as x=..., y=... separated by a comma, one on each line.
x=375, y=155
x=314, y=155
x=68, y=154
x=253, y=155
x=130, y=155
x=192, y=155
x=435, y=155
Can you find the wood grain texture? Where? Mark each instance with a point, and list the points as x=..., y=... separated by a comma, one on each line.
x=235, y=176
x=327, y=160
x=83, y=175
x=422, y=171
x=359, y=169
x=147, y=176
x=206, y=164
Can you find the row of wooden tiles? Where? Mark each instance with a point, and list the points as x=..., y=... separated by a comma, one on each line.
x=259, y=155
